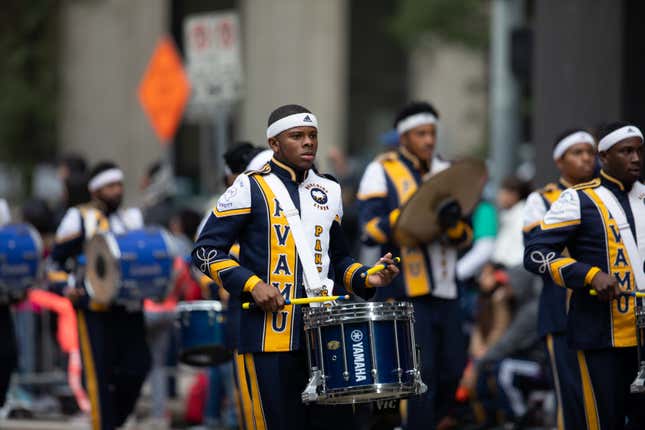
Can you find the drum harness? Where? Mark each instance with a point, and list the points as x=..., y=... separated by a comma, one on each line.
x=314, y=286
x=636, y=260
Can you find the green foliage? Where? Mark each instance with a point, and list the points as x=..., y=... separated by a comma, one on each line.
x=28, y=80
x=459, y=21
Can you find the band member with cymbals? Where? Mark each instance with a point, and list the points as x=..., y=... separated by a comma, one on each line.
x=112, y=337
x=272, y=364
x=601, y=223
x=428, y=272
x=8, y=349
x=574, y=154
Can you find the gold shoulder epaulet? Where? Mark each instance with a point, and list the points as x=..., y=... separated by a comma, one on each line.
x=590, y=184
x=387, y=156
x=264, y=170
x=550, y=187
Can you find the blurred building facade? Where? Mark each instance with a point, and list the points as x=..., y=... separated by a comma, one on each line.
x=587, y=69
x=336, y=57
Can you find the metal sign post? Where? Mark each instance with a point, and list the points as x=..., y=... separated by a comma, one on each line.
x=215, y=69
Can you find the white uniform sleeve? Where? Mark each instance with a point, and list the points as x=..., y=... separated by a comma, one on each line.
x=236, y=198
x=133, y=218
x=70, y=226
x=564, y=210
x=373, y=183
x=5, y=215
x=534, y=209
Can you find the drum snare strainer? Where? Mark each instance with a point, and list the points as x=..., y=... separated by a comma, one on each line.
x=361, y=352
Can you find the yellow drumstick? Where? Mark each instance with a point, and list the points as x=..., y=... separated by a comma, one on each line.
x=623, y=293
x=302, y=301
x=379, y=267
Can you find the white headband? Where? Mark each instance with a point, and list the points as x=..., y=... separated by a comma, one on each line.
x=570, y=140
x=104, y=178
x=296, y=120
x=415, y=120
x=617, y=135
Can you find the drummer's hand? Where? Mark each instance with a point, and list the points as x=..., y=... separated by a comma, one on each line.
x=606, y=286
x=384, y=277
x=73, y=293
x=449, y=214
x=267, y=297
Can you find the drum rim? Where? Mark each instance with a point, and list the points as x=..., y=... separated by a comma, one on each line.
x=351, y=313
x=200, y=305
x=346, y=395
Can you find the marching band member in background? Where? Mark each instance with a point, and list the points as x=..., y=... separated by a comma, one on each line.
x=428, y=273
x=598, y=222
x=8, y=353
x=272, y=365
x=574, y=155
x=112, y=337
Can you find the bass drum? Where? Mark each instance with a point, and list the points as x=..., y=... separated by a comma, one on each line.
x=129, y=267
x=21, y=259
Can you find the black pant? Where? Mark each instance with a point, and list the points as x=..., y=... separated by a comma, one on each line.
x=8, y=355
x=439, y=334
x=116, y=360
x=271, y=384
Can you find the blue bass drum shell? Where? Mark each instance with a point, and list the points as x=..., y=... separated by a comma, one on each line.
x=129, y=267
x=201, y=333
x=21, y=259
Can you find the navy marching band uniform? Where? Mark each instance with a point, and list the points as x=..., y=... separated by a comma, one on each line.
x=115, y=355
x=603, y=334
x=552, y=319
x=271, y=363
x=427, y=279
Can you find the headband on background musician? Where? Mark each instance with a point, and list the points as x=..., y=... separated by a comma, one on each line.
x=570, y=139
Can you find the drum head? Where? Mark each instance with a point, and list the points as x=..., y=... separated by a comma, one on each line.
x=418, y=223
x=102, y=274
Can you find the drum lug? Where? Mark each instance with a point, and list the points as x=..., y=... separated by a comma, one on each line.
x=310, y=394
x=420, y=386
x=374, y=373
x=346, y=376
x=638, y=386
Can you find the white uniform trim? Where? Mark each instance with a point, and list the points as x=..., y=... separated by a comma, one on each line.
x=260, y=160
x=237, y=196
x=534, y=209
x=373, y=183
x=565, y=209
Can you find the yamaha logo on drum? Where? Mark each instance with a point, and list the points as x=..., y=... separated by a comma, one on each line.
x=358, y=354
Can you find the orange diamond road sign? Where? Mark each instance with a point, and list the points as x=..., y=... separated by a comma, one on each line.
x=164, y=90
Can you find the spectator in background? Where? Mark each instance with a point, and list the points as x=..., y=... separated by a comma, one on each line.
x=158, y=188
x=511, y=197
x=493, y=313
x=515, y=364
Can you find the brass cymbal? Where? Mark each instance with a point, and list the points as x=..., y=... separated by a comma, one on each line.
x=418, y=223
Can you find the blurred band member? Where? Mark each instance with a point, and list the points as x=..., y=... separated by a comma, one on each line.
x=428, y=273
x=574, y=155
x=112, y=337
